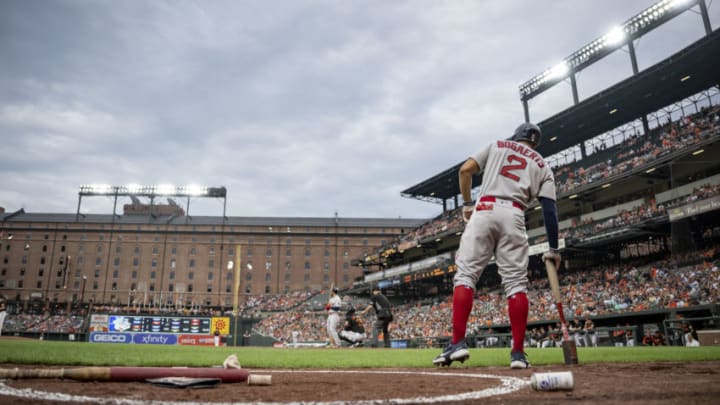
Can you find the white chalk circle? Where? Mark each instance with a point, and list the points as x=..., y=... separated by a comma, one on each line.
x=507, y=385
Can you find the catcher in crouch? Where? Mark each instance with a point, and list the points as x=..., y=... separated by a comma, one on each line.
x=353, y=331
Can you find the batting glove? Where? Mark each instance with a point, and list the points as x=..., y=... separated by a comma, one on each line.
x=552, y=255
x=467, y=213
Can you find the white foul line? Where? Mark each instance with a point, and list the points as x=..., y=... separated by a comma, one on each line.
x=508, y=385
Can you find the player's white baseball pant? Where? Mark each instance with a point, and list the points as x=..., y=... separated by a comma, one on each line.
x=351, y=336
x=332, y=325
x=499, y=231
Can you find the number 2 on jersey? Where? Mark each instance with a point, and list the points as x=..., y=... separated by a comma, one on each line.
x=520, y=164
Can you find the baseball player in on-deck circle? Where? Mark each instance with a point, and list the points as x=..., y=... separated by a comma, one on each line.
x=514, y=174
x=333, y=308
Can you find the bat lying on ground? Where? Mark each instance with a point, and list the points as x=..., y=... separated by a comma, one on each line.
x=569, y=348
x=226, y=375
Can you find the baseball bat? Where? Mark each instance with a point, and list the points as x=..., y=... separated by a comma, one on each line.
x=125, y=374
x=569, y=348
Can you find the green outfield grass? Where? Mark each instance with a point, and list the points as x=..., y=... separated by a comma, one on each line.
x=97, y=354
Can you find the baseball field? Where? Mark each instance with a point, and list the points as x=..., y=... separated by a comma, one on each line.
x=632, y=375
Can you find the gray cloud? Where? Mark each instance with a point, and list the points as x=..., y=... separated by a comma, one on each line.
x=299, y=108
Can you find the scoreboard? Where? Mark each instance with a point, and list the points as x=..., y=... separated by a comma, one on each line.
x=152, y=329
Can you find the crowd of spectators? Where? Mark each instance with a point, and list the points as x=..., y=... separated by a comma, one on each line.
x=278, y=302
x=673, y=282
x=648, y=210
x=633, y=152
x=633, y=286
x=637, y=151
x=27, y=323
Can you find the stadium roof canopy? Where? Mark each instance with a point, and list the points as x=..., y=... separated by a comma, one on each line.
x=687, y=72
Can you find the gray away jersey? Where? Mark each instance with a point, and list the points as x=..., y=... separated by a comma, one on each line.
x=515, y=172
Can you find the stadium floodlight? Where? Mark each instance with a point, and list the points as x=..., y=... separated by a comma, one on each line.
x=634, y=28
x=559, y=71
x=165, y=189
x=100, y=188
x=195, y=190
x=678, y=3
x=616, y=36
x=153, y=191
x=133, y=188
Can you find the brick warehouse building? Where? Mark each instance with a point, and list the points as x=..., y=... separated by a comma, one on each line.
x=140, y=259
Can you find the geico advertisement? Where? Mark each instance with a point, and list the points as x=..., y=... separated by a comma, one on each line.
x=134, y=338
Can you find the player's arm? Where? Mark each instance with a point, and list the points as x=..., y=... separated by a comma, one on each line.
x=465, y=175
x=549, y=209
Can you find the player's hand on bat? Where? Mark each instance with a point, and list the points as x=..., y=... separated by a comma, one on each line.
x=553, y=256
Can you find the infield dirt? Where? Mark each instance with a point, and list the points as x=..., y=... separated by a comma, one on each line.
x=601, y=384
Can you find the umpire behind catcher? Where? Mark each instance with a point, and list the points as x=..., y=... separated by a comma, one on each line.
x=384, y=316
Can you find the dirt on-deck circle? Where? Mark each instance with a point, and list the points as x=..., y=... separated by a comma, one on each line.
x=629, y=383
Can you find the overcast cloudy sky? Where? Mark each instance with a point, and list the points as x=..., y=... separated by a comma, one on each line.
x=299, y=107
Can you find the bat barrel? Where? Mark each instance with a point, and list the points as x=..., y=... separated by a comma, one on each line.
x=127, y=373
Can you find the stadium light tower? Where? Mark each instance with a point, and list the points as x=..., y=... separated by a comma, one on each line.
x=152, y=192
x=637, y=26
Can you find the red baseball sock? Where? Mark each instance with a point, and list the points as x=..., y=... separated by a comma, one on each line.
x=518, y=312
x=462, y=305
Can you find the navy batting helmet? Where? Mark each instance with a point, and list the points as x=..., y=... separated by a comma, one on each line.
x=528, y=132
